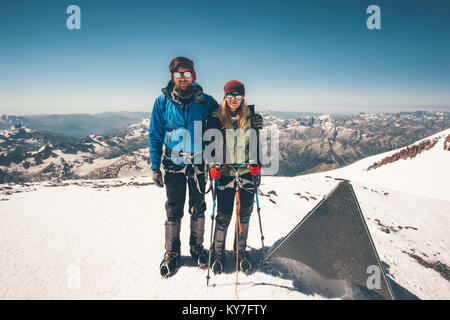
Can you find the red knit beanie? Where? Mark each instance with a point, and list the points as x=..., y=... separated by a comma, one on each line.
x=182, y=62
x=234, y=86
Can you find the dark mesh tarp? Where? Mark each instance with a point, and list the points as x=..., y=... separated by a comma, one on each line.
x=333, y=239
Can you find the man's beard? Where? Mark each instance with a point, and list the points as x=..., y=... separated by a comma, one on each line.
x=184, y=93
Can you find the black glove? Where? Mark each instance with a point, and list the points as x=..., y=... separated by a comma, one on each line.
x=157, y=178
x=257, y=121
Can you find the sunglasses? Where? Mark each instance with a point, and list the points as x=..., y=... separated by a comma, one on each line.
x=186, y=74
x=236, y=96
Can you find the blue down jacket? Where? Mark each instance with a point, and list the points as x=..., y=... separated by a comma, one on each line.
x=169, y=123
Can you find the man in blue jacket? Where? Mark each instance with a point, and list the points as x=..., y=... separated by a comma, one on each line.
x=177, y=122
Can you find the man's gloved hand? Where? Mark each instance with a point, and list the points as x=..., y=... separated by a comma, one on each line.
x=257, y=121
x=157, y=178
x=254, y=169
x=215, y=173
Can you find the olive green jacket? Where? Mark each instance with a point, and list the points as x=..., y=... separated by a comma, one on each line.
x=239, y=150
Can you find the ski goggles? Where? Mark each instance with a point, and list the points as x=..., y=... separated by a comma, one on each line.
x=185, y=74
x=237, y=96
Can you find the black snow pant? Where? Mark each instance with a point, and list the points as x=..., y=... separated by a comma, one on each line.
x=225, y=206
x=176, y=195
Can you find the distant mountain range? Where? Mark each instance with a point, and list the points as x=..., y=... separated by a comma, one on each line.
x=311, y=144
x=76, y=125
x=308, y=143
x=31, y=155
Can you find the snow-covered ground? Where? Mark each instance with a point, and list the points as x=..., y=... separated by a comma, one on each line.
x=427, y=174
x=105, y=239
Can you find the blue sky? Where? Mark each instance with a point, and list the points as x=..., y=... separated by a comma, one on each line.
x=315, y=56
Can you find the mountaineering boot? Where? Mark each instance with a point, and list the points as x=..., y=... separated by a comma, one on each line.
x=172, y=235
x=243, y=235
x=169, y=264
x=200, y=256
x=198, y=253
x=245, y=264
x=217, y=265
x=220, y=235
x=197, y=229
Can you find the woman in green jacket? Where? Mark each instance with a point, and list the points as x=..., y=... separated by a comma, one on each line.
x=233, y=114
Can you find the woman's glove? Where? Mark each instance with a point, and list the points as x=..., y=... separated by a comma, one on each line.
x=215, y=174
x=257, y=121
x=254, y=169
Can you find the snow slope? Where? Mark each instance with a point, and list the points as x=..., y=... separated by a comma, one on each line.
x=104, y=239
x=109, y=235
x=427, y=174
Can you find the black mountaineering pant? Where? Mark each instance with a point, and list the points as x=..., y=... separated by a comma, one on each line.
x=176, y=195
x=225, y=206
